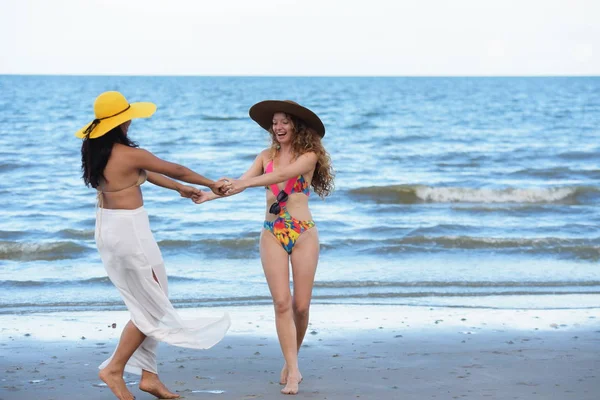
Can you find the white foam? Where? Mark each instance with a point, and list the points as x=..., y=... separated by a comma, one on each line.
x=488, y=195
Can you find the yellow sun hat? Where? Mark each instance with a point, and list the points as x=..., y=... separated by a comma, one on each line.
x=111, y=109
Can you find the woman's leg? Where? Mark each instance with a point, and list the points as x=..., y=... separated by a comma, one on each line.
x=112, y=374
x=133, y=339
x=275, y=261
x=150, y=382
x=305, y=257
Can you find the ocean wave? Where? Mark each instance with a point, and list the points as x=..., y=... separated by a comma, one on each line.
x=360, y=126
x=77, y=233
x=52, y=283
x=410, y=138
x=105, y=281
x=242, y=247
x=449, y=284
x=7, y=167
x=372, y=114
x=522, y=208
x=413, y=194
x=469, y=164
x=579, y=155
x=341, y=298
x=432, y=293
x=580, y=253
x=441, y=238
x=557, y=173
x=222, y=118
x=13, y=234
x=22, y=251
x=84, y=305
x=580, y=249
x=470, y=242
x=238, y=244
x=96, y=281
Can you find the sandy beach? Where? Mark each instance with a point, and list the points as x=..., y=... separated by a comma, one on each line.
x=351, y=352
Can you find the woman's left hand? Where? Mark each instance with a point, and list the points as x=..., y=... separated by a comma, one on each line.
x=188, y=191
x=220, y=187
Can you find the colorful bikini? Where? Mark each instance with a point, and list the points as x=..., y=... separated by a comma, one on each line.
x=286, y=228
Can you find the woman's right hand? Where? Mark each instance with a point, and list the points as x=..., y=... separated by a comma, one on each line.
x=187, y=191
x=202, y=197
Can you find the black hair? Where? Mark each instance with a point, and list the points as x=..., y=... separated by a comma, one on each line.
x=96, y=152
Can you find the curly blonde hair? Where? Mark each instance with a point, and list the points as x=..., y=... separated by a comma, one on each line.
x=306, y=140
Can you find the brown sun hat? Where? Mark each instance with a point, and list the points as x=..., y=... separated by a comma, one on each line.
x=263, y=112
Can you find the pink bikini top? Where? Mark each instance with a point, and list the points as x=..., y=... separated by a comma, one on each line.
x=293, y=185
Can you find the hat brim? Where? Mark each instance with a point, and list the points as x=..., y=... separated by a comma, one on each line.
x=263, y=112
x=136, y=110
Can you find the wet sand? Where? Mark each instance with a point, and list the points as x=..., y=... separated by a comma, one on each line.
x=350, y=352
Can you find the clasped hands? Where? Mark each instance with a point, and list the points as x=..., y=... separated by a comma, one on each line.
x=224, y=187
x=228, y=187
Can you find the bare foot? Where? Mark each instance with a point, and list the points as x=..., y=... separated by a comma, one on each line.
x=292, y=382
x=151, y=384
x=284, y=374
x=115, y=382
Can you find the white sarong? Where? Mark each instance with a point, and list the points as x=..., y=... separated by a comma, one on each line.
x=130, y=255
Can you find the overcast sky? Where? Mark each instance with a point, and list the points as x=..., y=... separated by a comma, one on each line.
x=303, y=37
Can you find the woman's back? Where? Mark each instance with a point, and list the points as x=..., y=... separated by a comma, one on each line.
x=121, y=189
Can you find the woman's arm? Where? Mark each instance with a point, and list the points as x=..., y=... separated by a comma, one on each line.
x=163, y=181
x=143, y=159
x=303, y=165
x=255, y=169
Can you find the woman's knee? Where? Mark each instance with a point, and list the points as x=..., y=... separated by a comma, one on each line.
x=301, y=308
x=282, y=305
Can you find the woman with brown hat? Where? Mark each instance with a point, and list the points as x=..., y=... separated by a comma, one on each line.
x=115, y=167
x=295, y=161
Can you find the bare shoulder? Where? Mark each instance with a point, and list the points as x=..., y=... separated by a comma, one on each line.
x=120, y=152
x=266, y=153
x=134, y=157
x=130, y=151
x=121, y=148
x=264, y=156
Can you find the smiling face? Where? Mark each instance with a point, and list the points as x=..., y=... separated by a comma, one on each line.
x=283, y=128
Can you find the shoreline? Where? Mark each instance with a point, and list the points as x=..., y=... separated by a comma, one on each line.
x=350, y=352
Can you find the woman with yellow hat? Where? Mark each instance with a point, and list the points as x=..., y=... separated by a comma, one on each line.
x=295, y=161
x=116, y=167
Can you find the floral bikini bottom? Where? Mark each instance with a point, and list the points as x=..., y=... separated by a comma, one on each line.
x=287, y=229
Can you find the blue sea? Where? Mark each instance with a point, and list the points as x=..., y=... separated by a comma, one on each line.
x=461, y=192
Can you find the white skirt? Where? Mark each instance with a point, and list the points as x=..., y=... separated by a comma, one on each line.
x=130, y=255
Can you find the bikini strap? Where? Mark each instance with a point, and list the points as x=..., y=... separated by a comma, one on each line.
x=142, y=177
x=290, y=185
x=274, y=188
